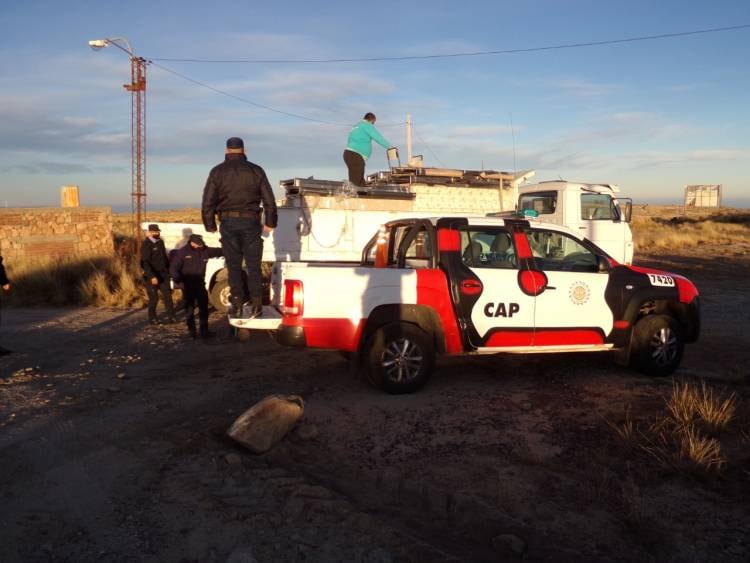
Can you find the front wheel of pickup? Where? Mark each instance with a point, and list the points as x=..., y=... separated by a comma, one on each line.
x=657, y=345
x=400, y=358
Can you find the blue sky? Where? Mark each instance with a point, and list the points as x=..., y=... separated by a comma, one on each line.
x=651, y=116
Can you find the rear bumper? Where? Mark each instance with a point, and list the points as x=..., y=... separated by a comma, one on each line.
x=291, y=336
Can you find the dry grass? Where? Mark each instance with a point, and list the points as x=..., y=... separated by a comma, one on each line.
x=701, y=450
x=662, y=228
x=715, y=412
x=681, y=403
x=689, y=402
x=682, y=436
x=113, y=281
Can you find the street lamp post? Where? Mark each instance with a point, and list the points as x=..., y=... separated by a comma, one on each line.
x=137, y=88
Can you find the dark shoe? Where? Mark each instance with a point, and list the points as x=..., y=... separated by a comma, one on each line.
x=5, y=351
x=154, y=322
x=171, y=320
x=255, y=308
x=235, y=309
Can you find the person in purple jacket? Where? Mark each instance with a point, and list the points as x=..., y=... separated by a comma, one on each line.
x=188, y=267
x=359, y=147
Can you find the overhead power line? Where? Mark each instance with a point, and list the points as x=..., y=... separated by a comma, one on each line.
x=464, y=54
x=245, y=100
x=259, y=105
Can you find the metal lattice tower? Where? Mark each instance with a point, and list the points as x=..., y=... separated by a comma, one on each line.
x=137, y=88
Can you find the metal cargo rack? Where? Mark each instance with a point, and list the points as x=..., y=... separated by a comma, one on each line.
x=302, y=186
x=443, y=176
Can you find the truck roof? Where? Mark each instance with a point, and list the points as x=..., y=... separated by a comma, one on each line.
x=564, y=184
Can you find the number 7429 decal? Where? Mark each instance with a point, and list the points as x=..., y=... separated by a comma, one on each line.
x=661, y=280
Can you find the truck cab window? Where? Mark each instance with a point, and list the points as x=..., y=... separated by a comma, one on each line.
x=598, y=207
x=555, y=251
x=544, y=203
x=489, y=247
x=419, y=252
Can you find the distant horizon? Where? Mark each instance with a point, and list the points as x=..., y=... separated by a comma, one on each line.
x=732, y=203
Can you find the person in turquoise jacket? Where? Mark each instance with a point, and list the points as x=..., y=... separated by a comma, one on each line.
x=359, y=147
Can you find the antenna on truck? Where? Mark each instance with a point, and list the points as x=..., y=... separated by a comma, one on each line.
x=408, y=138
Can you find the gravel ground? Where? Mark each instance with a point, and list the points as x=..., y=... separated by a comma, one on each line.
x=113, y=448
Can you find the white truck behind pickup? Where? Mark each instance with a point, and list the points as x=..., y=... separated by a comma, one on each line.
x=592, y=210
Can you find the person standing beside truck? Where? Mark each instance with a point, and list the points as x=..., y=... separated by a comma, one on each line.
x=155, y=264
x=234, y=192
x=188, y=267
x=5, y=284
x=359, y=147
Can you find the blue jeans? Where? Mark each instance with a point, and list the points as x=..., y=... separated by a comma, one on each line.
x=240, y=238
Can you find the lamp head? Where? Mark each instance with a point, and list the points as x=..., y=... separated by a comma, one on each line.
x=97, y=44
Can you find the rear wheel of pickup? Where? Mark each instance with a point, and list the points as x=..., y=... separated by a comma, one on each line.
x=220, y=296
x=400, y=358
x=657, y=345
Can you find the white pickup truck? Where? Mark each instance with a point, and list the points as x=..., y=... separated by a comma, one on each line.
x=483, y=285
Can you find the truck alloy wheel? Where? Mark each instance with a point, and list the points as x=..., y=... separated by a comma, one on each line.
x=401, y=358
x=657, y=345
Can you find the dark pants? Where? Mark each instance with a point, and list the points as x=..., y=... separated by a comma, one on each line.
x=240, y=238
x=153, y=297
x=194, y=293
x=356, y=165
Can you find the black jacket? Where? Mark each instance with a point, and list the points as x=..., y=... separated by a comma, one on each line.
x=3, y=277
x=237, y=185
x=154, y=260
x=189, y=264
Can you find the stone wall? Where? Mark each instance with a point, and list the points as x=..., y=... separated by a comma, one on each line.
x=48, y=233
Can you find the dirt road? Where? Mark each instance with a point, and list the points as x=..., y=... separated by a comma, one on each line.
x=112, y=448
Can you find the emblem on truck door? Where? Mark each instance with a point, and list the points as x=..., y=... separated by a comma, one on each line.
x=579, y=292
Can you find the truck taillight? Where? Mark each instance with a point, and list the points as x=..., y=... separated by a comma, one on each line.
x=293, y=298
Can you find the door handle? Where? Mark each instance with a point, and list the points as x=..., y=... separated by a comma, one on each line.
x=471, y=287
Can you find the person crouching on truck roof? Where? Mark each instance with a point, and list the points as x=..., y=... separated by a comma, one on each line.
x=359, y=147
x=234, y=191
x=188, y=267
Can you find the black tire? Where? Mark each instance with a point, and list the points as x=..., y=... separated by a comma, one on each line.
x=219, y=296
x=657, y=345
x=400, y=358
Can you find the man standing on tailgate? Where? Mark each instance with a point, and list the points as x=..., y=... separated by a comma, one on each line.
x=234, y=192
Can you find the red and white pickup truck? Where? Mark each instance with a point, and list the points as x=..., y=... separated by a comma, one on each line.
x=484, y=285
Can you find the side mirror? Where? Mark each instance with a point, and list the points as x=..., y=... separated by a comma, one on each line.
x=628, y=211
